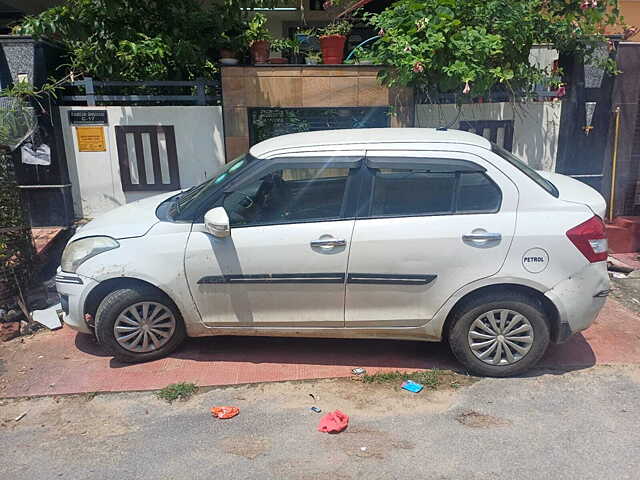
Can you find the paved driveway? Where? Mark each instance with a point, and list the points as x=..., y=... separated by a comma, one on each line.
x=65, y=362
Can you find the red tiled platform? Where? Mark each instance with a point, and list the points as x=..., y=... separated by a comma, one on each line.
x=624, y=234
x=43, y=238
x=63, y=362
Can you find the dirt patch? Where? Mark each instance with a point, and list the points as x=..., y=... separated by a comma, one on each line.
x=291, y=468
x=627, y=292
x=86, y=416
x=353, y=396
x=474, y=419
x=248, y=446
x=18, y=357
x=366, y=443
x=631, y=371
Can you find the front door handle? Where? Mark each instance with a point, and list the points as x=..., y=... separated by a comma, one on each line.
x=327, y=243
x=482, y=237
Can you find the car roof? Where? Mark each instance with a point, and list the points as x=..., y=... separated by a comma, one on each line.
x=365, y=136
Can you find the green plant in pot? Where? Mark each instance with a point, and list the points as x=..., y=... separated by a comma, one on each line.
x=230, y=25
x=228, y=49
x=313, y=58
x=333, y=38
x=258, y=38
x=289, y=48
x=303, y=34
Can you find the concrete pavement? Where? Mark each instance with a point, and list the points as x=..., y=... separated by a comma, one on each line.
x=560, y=425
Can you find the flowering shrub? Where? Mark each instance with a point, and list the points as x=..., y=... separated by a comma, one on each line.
x=469, y=47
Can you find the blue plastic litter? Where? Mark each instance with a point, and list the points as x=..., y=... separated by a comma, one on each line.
x=411, y=386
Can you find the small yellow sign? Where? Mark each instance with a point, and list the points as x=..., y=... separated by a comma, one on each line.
x=91, y=139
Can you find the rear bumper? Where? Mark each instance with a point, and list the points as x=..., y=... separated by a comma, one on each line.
x=73, y=290
x=579, y=299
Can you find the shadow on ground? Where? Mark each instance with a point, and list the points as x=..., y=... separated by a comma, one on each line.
x=574, y=355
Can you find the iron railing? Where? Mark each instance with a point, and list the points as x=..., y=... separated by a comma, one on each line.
x=201, y=92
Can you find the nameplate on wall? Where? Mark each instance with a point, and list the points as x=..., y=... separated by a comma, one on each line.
x=88, y=117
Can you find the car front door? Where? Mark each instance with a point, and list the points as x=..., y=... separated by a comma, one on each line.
x=284, y=263
x=430, y=222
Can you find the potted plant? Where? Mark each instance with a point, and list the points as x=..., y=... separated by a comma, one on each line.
x=313, y=58
x=303, y=35
x=333, y=38
x=257, y=38
x=227, y=51
x=288, y=48
x=231, y=26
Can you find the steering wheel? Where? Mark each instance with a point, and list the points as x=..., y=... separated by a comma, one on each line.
x=247, y=202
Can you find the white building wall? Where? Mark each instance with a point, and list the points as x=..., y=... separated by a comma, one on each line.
x=535, y=125
x=95, y=176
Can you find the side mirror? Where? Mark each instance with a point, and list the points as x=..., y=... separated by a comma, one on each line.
x=216, y=221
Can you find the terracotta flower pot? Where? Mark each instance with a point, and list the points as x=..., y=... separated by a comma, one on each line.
x=227, y=53
x=260, y=51
x=332, y=47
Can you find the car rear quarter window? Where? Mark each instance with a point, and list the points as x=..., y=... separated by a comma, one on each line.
x=526, y=169
x=477, y=194
x=409, y=192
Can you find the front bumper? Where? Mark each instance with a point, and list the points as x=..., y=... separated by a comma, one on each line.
x=73, y=290
x=580, y=298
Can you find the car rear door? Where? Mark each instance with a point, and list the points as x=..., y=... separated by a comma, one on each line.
x=428, y=223
x=285, y=262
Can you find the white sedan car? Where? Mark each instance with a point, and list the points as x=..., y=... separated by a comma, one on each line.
x=414, y=234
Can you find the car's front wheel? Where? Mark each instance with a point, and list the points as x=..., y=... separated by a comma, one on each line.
x=499, y=335
x=138, y=324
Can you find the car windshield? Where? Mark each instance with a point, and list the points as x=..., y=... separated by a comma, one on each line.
x=526, y=169
x=193, y=194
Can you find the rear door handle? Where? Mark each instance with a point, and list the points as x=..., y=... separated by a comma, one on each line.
x=327, y=243
x=482, y=237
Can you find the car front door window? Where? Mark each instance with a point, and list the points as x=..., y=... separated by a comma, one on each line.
x=288, y=195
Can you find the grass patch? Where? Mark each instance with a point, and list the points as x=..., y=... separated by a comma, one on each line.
x=428, y=378
x=177, y=391
x=431, y=379
x=89, y=396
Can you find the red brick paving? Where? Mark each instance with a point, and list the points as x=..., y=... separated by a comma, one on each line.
x=65, y=362
x=43, y=238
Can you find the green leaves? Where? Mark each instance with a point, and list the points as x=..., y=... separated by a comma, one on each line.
x=132, y=39
x=257, y=29
x=440, y=45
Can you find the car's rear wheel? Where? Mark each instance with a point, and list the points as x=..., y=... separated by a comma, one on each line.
x=499, y=335
x=138, y=324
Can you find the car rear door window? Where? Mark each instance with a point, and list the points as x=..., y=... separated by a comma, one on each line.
x=399, y=192
x=416, y=192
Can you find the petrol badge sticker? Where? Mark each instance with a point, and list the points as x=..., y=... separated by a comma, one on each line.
x=535, y=260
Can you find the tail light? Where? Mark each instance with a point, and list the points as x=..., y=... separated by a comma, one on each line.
x=590, y=238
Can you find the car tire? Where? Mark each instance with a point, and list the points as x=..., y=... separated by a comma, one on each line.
x=156, y=336
x=468, y=333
